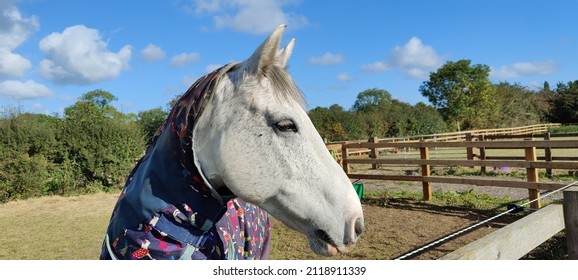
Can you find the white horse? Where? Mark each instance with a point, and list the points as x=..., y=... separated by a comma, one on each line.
x=253, y=138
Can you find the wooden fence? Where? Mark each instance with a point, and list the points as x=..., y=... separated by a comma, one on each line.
x=526, y=131
x=530, y=162
x=519, y=238
x=462, y=135
x=512, y=241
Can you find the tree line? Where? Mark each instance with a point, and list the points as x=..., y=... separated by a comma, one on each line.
x=93, y=146
x=462, y=97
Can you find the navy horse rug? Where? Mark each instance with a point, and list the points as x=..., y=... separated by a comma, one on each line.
x=167, y=210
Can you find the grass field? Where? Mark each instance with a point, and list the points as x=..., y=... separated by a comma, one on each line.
x=55, y=227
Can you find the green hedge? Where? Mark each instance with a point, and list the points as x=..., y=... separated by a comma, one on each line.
x=89, y=149
x=564, y=129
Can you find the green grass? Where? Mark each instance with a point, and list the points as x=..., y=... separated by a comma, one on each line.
x=55, y=228
x=470, y=199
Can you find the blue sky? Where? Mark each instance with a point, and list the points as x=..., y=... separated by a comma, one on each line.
x=146, y=52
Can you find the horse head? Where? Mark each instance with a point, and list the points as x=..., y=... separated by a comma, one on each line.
x=256, y=139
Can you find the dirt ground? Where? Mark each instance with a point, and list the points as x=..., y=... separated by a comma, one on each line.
x=406, y=226
x=394, y=230
x=413, y=224
x=396, y=227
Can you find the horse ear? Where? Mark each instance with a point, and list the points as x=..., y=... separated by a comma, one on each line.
x=266, y=54
x=285, y=54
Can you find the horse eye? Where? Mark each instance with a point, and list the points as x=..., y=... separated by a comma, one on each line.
x=286, y=126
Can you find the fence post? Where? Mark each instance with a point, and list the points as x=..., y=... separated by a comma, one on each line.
x=425, y=172
x=482, y=152
x=548, y=154
x=571, y=221
x=373, y=154
x=532, y=175
x=344, y=157
x=469, y=150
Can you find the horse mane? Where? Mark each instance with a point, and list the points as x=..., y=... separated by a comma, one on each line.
x=284, y=85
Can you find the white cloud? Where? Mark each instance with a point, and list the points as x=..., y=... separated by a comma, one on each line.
x=14, y=30
x=523, y=69
x=12, y=64
x=180, y=60
x=327, y=59
x=414, y=59
x=344, y=77
x=23, y=90
x=379, y=66
x=207, y=6
x=78, y=55
x=152, y=53
x=252, y=16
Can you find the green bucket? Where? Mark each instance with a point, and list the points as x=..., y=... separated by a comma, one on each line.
x=358, y=189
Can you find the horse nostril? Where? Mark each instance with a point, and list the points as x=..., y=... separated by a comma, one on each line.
x=359, y=227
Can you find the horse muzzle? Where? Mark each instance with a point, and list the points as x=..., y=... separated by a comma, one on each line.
x=322, y=244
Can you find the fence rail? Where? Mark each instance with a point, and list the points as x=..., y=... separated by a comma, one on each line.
x=462, y=135
x=515, y=132
x=519, y=238
x=529, y=161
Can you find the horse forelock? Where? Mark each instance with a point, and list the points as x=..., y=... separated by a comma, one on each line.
x=283, y=85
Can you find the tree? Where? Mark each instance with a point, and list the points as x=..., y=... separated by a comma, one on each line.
x=102, y=144
x=542, y=100
x=564, y=103
x=150, y=120
x=327, y=123
x=462, y=93
x=101, y=98
x=371, y=100
x=335, y=124
x=29, y=149
x=517, y=105
x=396, y=118
x=424, y=119
x=546, y=86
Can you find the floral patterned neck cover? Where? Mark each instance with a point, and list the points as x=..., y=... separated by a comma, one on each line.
x=167, y=210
